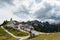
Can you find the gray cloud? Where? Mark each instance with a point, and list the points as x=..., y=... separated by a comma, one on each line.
x=4, y=2
x=56, y=14
x=38, y=1
x=22, y=12
x=47, y=13
x=23, y=9
x=42, y=13
x=57, y=0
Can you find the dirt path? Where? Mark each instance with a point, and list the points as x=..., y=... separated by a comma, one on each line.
x=20, y=38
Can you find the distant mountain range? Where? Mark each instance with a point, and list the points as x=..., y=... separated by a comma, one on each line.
x=43, y=26
x=40, y=26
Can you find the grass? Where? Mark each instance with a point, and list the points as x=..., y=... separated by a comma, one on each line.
x=16, y=32
x=55, y=36
x=5, y=36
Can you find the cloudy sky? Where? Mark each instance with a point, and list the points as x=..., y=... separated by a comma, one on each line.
x=24, y=10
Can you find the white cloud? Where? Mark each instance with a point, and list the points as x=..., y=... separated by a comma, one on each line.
x=30, y=8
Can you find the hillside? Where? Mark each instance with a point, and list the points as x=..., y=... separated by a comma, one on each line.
x=5, y=36
x=16, y=32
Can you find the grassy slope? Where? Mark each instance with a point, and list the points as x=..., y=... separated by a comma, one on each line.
x=55, y=36
x=5, y=36
x=16, y=32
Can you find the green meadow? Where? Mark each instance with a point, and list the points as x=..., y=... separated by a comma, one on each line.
x=51, y=36
x=16, y=32
x=5, y=36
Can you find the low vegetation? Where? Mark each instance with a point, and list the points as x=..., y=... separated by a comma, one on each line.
x=4, y=23
x=5, y=36
x=51, y=36
x=16, y=32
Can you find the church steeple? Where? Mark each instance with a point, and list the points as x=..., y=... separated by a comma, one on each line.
x=11, y=19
